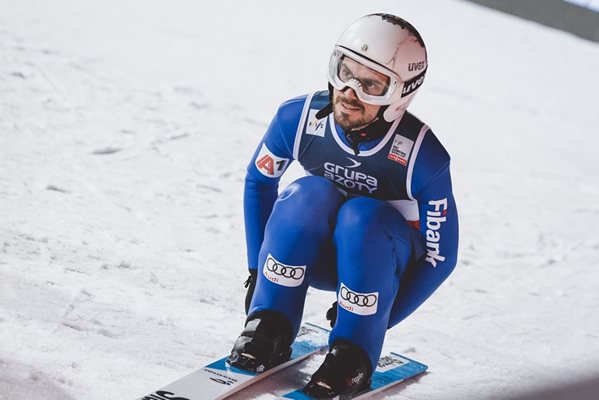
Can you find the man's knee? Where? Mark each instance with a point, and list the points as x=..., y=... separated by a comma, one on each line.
x=366, y=227
x=310, y=189
x=362, y=216
x=312, y=201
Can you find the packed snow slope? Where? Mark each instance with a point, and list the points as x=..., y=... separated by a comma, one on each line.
x=125, y=129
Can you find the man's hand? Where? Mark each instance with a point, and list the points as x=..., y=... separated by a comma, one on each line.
x=250, y=284
x=332, y=314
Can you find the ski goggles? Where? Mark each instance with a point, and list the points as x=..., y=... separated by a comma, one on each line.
x=372, y=83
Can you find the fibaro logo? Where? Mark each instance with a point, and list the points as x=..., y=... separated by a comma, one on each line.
x=434, y=218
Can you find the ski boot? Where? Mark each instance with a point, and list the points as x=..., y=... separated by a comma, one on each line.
x=346, y=371
x=265, y=342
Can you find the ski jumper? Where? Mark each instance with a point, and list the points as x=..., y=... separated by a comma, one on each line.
x=380, y=228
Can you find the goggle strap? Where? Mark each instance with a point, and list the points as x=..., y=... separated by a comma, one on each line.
x=411, y=85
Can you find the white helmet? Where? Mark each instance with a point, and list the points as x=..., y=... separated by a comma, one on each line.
x=387, y=45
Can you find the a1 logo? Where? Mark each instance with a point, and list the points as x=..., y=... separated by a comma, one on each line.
x=270, y=165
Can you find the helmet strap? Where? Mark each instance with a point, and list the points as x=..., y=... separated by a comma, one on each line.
x=326, y=110
x=374, y=130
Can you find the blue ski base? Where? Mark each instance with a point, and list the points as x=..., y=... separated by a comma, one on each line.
x=218, y=379
x=391, y=370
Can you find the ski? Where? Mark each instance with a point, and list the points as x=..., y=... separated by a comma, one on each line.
x=218, y=380
x=391, y=370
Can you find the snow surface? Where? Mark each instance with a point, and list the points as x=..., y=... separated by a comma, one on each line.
x=125, y=128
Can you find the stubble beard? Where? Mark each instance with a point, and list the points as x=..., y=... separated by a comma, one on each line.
x=346, y=121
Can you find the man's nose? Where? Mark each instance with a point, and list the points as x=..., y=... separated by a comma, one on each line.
x=350, y=93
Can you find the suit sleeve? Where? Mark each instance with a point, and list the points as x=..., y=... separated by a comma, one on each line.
x=437, y=251
x=271, y=159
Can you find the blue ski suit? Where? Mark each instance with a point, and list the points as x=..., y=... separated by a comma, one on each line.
x=379, y=228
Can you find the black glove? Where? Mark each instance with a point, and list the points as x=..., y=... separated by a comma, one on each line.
x=332, y=314
x=250, y=284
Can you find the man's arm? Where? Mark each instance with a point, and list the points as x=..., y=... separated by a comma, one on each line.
x=271, y=159
x=258, y=200
x=439, y=229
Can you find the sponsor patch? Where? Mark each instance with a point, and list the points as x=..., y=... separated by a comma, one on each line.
x=283, y=274
x=356, y=302
x=389, y=362
x=436, y=215
x=400, y=149
x=315, y=126
x=270, y=165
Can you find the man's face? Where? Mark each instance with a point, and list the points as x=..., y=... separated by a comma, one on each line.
x=348, y=110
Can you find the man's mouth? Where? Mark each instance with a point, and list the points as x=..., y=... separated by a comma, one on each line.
x=350, y=107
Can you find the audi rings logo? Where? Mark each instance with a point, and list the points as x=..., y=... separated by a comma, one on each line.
x=357, y=303
x=283, y=274
x=366, y=300
x=284, y=270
